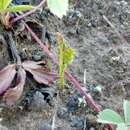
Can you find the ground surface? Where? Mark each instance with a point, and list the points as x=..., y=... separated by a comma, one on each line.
x=99, y=32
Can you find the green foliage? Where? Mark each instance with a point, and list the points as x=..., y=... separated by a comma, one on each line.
x=66, y=55
x=58, y=7
x=109, y=116
x=18, y=8
x=4, y=7
x=126, y=107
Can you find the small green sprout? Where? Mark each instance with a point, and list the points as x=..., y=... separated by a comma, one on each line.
x=66, y=55
x=108, y=116
x=5, y=7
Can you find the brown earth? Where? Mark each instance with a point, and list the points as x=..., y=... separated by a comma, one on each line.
x=99, y=32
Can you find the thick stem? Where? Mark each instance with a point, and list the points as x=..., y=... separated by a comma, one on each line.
x=77, y=85
x=88, y=97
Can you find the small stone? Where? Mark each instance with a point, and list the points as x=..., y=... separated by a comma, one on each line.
x=72, y=103
x=61, y=113
x=89, y=24
x=37, y=56
x=72, y=17
x=38, y=103
x=77, y=123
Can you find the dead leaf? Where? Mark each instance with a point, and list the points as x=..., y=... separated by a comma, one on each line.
x=6, y=76
x=13, y=94
x=32, y=64
x=42, y=76
x=40, y=73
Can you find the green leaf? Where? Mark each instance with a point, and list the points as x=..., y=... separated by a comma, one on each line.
x=18, y=8
x=6, y=3
x=68, y=55
x=1, y=4
x=58, y=7
x=109, y=116
x=126, y=107
x=122, y=127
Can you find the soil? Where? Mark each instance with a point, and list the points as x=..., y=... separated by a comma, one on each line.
x=99, y=32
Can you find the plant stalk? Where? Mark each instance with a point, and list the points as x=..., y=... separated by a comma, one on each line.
x=29, y=12
x=71, y=79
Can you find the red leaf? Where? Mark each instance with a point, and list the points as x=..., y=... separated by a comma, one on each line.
x=40, y=73
x=13, y=94
x=6, y=76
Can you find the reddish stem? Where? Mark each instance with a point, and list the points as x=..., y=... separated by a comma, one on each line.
x=29, y=12
x=77, y=85
x=87, y=96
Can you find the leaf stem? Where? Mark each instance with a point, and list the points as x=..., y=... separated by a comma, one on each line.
x=77, y=85
x=28, y=13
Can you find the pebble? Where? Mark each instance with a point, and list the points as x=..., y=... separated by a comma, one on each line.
x=38, y=100
x=77, y=123
x=36, y=57
x=62, y=113
x=72, y=103
x=72, y=17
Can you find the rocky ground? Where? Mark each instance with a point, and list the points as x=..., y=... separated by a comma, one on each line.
x=99, y=32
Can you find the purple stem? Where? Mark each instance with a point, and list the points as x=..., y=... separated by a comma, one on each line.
x=77, y=85
x=29, y=12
